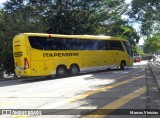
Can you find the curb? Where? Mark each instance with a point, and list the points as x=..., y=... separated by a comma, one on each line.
x=21, y=78
x=7, y=79
x=153, y=95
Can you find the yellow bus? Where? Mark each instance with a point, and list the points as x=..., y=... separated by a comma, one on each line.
x=38, y=54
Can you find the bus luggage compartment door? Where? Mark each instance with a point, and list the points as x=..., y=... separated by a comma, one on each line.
x=37, y=63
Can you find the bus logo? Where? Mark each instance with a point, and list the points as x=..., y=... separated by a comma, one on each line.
x=60, y=54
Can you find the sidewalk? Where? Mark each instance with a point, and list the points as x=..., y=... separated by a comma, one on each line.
x=155, y=67
x=11, y=77
x=153, y=86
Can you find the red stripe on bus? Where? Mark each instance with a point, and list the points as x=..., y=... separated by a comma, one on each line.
x=49, y=35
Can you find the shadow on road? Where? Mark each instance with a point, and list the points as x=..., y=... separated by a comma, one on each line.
x=39, y=79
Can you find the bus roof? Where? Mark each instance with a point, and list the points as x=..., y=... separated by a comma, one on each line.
x=75, y=36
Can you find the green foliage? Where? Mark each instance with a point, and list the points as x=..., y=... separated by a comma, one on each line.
x=138, y=50
x=127, y=32
x=16, y=19
x=82, y=17
x=1, y=38
x=147, y=12
x=152, y=45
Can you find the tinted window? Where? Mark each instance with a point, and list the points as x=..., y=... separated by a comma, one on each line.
x=116, y=45
x=108, y=47
x=128, y=48
x=70, y=44
x=46, y=43
x=37, y=42
x=55, y=44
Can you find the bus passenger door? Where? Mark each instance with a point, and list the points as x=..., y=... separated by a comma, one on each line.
x=117, y=52
x=118, y=57
x=110, y=57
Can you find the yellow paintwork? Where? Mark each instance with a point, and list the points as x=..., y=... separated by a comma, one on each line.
x=39, y=65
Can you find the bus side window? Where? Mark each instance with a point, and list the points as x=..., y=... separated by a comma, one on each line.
x=119, y=45
x=112, y=45
x=101, y=45
x=37, y=42
x=50, y=45
x=116, y=45
x=59, y=45
x=107, y=45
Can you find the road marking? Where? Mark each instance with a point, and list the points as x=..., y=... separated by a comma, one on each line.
x=117, y=103
x=103, y=89
x=19, y=116
x=78, y=97
x=6, y=103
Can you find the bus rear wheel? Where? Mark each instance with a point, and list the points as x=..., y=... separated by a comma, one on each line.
x=74, y=70
x=61, y=71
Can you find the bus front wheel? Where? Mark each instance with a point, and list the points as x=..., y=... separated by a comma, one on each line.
x=74, y=70
x=61, y=71
x=123, y=64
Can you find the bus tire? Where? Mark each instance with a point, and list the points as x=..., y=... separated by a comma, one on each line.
x=122, y=65
x=61, y=71
x=74, y=70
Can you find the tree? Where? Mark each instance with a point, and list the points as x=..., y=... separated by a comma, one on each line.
x=147, y=12
x=83, y=17
x=2, y=26
x=17, y=18
x=121, y=29
x=152, y=45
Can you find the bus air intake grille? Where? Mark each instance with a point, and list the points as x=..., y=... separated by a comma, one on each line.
x=18, y=54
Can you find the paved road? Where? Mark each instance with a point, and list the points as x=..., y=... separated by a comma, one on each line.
x=114, y=89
